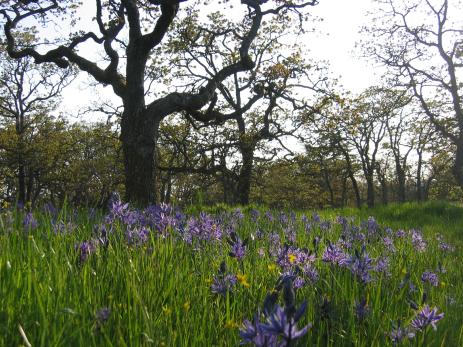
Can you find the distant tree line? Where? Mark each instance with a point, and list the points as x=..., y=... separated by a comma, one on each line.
x=221, y=110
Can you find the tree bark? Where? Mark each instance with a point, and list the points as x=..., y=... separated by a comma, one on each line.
x=244, y=179
x=139, y=135
x=458, y=163
x=419, y=188
x=370, y=191
x=350, y=171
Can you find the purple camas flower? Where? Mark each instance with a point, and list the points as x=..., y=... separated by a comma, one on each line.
x=290, y=257
x=85, y=249
x=400, y=233
x=252, y=333
x=310, y=272
x=269, y=216
x=279, y=323
x=399, y=333
x=223, y=283
x=103, y=314
x=372, y=226
x=446, y=247
x=238, y=247
x=29, y=222
x=426, y=317
x=361, y=309
x=204, y=228
x=50, y=209
x=345, y=243
x=389, y=244
x=325, y=226
x=430, y=277
x=316, y=218
x=417, y=240
x=61, y=227
x=238, y=250
x=283, y=218
x=299, y=282
x=382, y=265
x=118, y=209
x=360, y=265
x=274, y=244
x=254, y=215
x=335, y=255
x=137, y=236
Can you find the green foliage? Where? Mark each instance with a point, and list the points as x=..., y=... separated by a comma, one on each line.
x=159, y=293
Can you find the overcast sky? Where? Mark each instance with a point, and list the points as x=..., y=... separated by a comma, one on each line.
x=334, y=42
x=341, y=23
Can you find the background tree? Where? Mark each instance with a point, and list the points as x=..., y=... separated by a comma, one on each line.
x=421, y=44
x=28, y=94
x=128, y=31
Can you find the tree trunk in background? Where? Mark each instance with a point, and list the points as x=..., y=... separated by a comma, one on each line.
x=139, y=133
x=419, y=188
x=370, y=190
x=458, y=164
x=21, y=182
x=344, y=192
x=400, y=172
x=244, y=178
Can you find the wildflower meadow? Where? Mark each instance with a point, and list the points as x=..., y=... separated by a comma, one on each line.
x=229, y=276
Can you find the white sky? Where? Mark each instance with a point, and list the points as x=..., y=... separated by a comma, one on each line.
x=341, y=23
x=334, y=42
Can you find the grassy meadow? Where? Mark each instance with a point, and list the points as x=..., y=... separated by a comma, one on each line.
x=221, y=277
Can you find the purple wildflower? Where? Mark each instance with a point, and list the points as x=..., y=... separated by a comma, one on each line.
x=446, y=247
x=223, y=283
x=279, y=323
x=316, y=218
x=137, y=236
x=399, y=333
x=269, y=216
x=389, y=243
x=102, y=315
x=382, y=265
x=252, y=333
x=418, y=241
x=372, y=226
x=430, y=277
x=310, y=272
x=29, y=222
x=325, y=226
x=361, y=309
x=85, y=249
x=426, y=317
x=334, y=255
x=61, y=227
x=360, y=265
x=238, y=247
x=254, y=215
x=299, y=282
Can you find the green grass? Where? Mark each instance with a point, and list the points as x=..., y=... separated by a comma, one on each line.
x=159, y=292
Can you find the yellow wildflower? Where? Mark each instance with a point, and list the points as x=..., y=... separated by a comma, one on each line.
x=271, y=267
x=167, y=311
x=291, y=258
x=186, y=306
x=231, y=324
x=242, y=279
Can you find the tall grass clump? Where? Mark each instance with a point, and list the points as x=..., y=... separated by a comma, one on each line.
x=160, y=277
